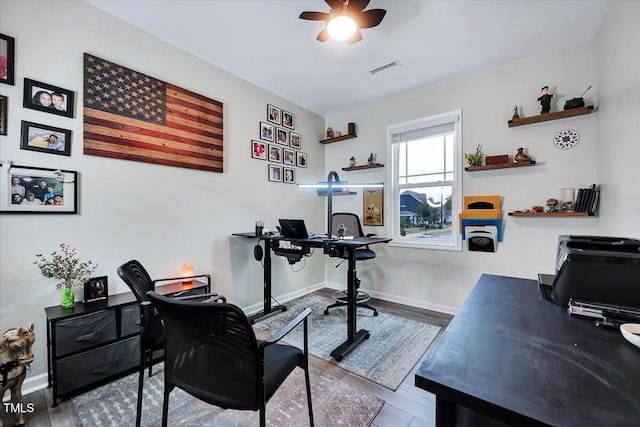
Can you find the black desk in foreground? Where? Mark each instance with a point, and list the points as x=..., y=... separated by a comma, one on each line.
x=522, y=360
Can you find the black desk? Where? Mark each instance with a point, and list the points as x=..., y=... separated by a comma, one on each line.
x=267, y=308
x=517, y=358
x=354, y=337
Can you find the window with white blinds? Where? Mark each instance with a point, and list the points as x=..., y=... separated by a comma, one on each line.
x=426, y=183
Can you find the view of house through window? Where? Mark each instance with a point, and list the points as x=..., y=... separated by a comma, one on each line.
x=425, y=182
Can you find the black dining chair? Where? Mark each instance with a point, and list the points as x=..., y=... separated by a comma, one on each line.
x=151, y=329
x=212, y=353
x=350, y=224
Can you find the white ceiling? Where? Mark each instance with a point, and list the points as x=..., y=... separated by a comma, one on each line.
x=265, y=43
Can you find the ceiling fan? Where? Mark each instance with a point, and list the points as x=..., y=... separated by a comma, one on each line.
x=346, y=19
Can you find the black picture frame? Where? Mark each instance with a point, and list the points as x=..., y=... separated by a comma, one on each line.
x=4, y=112
x=288, y=120
x=258, y=150
x=289, y=175
x=295, y=140
x=282, y=136
x=275, y=173
x=34, y=92
x=24, y=179
x=274, y=114
x=267, y=132
x=275, y=153
x=7, y=50
x=301, y=159
x=289, y=157
x=39, y=137
x=96, y=289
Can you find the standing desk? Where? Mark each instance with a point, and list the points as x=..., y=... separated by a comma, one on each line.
x=517, y=358
x=354, y=337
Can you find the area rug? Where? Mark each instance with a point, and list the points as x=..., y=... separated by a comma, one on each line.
x=334, y=404
x=386, y=358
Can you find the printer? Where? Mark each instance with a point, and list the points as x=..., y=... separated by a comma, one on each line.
x=597, y=269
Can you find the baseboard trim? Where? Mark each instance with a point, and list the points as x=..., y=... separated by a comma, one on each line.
x=30, y=385
x=401, y=300
x=252, y=309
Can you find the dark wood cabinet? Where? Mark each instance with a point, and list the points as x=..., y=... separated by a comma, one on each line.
x=94, y=342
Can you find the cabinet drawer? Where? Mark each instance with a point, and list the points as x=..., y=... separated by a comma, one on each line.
x=87, y=368
x=129, y=320
x=85, y=331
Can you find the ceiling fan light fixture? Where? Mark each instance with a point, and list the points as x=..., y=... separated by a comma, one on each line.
x=342, y=27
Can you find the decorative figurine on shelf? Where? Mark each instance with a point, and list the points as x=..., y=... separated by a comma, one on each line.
x=329, y=132
x=342, y=230
x=371, y=160
x=475, y=159
x=520, y=157
x=515, y=113
x=545, y=100
x=352, y=161
x=537, y=208
x=552, y=205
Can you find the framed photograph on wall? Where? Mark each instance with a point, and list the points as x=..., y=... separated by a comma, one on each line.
x=266, y=131
x=4, y=107
x=26, y=189
x=275, y=153
x=282, y=136
x=96, y=289
x=46, y=139
x=288, y=120
x=274, y=114
x=258, y=150
x=373, y=206
x=7, y=59
x=301, y=159
x=289, y=175
x=275, y=173
x=289, y=157
x=294, y=140
x=48, y=98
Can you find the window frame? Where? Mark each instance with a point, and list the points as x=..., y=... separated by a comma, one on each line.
x=455, y=244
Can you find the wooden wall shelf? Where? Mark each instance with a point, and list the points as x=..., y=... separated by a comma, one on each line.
x=550, y=214
x=499, y=166
x=551, y=116
x=360, y=167
x=337, y=193
x=337, y=138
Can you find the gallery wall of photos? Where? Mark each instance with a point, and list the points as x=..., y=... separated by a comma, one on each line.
x=279, y=145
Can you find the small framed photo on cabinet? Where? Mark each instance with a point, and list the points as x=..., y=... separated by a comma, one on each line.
x=96, y=289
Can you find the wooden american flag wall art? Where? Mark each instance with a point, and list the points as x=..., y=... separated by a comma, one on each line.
x=129, y=115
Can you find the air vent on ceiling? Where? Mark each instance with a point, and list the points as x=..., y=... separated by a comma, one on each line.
x=385, y=67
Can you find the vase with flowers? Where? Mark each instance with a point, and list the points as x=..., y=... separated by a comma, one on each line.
x=68, y=269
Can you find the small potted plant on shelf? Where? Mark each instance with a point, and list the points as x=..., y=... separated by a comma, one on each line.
x=66, y=267
x=475, y=159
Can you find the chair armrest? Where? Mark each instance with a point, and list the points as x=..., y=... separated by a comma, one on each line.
x=287, y=328
x=146, y=314
x=210, y=297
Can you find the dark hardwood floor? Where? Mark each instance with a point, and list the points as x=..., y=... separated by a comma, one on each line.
x=408, y=406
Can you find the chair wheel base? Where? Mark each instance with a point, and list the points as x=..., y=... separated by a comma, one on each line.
x=341, y=299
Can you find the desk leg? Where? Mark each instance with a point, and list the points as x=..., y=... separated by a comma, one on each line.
x=445, y=412
x=266, y=300
x=353, y=338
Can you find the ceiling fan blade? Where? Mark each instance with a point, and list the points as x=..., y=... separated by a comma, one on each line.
x=357, y=6
x=370, y=18
x=314, y=16
x=354, y=38
x=335, y=4
x=323, y=36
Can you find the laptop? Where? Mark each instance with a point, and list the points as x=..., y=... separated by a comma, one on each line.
x=293, y=229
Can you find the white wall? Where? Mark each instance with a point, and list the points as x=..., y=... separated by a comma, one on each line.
x=442, y=279
x=619, y=124
x=161, y=215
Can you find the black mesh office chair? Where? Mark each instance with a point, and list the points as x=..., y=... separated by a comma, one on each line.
x=212, y=353
x=151, y=330
x=351, y=223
